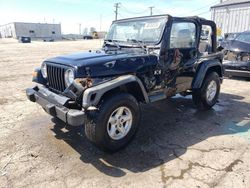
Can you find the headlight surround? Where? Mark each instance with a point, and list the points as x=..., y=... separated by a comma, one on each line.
x=245, y=57
x=44, y=70
x=69, y=77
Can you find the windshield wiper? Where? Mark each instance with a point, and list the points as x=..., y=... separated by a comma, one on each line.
x=113, y=42
x=140, y=42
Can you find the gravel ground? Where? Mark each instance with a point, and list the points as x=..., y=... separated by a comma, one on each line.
x=176, y=145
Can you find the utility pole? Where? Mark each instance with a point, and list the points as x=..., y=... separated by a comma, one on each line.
x=116, y=9
x=100, y=22
x=151, y=10
x=80, y=28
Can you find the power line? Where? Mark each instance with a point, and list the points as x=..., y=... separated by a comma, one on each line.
x=195, y=10
x=121, y=15
x=205, y=6
x=132, y=12
x=202, y=13
x=159, y=11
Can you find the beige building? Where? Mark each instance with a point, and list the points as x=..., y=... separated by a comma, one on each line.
x=39, y=31
x=232, y=16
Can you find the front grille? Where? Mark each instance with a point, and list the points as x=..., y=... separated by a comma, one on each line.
x=56, y=77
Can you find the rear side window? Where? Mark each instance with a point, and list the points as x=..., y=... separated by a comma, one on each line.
x=205, y=44
x=183, y=35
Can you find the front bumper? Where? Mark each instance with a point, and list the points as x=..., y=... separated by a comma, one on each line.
x=236, y=68
x=54, y=105
x=237, y=73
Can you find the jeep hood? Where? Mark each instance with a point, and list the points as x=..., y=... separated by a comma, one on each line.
x=238, y=46
x=101, y=63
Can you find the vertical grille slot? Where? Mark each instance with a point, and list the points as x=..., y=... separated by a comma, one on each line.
x=56, y=77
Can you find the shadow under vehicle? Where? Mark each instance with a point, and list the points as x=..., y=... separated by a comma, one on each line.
x=177, y=127
x=143, y=60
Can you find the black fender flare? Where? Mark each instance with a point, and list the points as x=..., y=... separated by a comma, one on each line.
x=202, y=69
x=38, y=77
x=93, y=95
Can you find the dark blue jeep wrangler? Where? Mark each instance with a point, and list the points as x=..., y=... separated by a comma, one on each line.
x=142, y=60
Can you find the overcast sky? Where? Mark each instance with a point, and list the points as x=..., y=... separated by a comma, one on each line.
x=96, y=13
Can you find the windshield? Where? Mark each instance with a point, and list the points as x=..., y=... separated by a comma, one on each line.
x=243, y=37
x=148, y=30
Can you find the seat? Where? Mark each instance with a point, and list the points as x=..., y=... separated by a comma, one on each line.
x=204, y=47
x=184, y=39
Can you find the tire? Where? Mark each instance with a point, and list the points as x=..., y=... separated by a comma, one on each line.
x=98, y=127
x=201, y=99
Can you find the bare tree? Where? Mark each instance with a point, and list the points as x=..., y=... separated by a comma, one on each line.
x=92, y=29
x=85, y=31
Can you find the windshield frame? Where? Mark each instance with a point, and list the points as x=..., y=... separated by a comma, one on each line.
x=165, y=20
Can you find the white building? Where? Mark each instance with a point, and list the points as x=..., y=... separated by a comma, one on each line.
x=42, y=31
x=232, y=16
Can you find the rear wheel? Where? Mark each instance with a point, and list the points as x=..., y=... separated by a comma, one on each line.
x=206, y=96
x=115, y=123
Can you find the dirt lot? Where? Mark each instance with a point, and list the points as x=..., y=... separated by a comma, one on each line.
x=176, y=146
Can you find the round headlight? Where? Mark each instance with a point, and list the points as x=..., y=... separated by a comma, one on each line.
x=69, y=77
x=44, y=70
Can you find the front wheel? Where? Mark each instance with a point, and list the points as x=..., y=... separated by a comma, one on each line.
x=206, y=96
x=115, y=123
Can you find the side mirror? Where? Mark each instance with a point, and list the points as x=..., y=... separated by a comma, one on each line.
x=219, y=48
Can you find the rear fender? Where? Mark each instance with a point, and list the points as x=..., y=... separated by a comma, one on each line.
x=204, y=68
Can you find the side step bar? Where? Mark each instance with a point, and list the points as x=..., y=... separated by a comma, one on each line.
x=157, y=96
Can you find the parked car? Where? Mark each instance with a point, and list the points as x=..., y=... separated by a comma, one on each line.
x=143, y=60
x=237, y=56
x=87, y=37
x=24, y=39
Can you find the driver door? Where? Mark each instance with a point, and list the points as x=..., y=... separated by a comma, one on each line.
x=182, y=55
